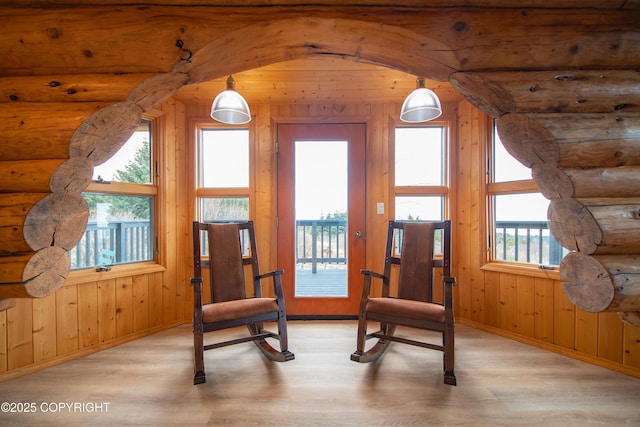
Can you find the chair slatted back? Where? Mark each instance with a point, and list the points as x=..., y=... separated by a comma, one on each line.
x=227, y=259
x=226, y=270
x=411, y=245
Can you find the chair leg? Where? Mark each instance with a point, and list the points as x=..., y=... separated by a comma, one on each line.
x=199, y=376
x=360, y=339
x=448, y=338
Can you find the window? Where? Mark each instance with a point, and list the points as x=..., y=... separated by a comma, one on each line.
x=121, y=202
x=520, y=230
x=420, y=172
x=223, y=175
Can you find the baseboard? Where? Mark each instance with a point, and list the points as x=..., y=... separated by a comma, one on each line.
x=321, y=317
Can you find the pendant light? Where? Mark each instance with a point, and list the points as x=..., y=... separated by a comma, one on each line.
x=421, y=105
x=230, y=107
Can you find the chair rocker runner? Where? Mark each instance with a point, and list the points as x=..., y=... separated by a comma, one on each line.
x=410, y=264
x=232, y=248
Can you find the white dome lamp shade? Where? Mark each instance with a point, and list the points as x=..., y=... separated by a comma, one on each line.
x=421, y=105
x=230, y=107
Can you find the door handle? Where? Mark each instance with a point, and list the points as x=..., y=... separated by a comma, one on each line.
x=358, y=234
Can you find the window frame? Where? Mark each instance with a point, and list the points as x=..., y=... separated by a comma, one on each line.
x=152, y=190
x=493, y=189
x=443, y=190
x=200, y=193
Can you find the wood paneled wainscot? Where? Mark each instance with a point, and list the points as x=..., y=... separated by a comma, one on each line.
x=84, y=317
x=525, y=304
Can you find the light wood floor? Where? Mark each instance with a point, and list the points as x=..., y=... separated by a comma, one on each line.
x=500, y=382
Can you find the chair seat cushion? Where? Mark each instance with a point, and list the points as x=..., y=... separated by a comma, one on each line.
x=407, y=308
x=237, y=309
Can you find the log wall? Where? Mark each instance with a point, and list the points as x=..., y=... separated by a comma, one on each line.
x=88, y=315
x=71, y=95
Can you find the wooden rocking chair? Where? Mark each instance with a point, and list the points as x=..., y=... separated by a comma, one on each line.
x=410, y=245
x=232, y=248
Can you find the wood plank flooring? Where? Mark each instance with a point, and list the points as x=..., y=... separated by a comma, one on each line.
x=149, y=382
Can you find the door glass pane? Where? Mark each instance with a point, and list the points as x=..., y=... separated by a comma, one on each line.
x=321, y=186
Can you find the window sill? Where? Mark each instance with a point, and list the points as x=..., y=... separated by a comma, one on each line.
x=91, y=275
x=521, y=269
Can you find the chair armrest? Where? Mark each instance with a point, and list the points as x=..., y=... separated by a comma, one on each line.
x=373, y=274
x=269, y=274
x=277, y=284
x=366, y=287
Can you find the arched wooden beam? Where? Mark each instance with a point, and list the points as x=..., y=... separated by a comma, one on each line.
x=287, y=39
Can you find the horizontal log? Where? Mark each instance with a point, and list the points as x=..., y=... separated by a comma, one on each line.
x=34, y=275
x=552, y=182
x=573, y=226
x=104, y=88
x=12, y=268
x=527, y=141
x=619, y=221
x=57, y=220
x=27, y=176
x=599, y=283
x=474, y=38
x=46, y=271
x=72, y=176
x=156, y=89
x=631, y=318
x=560, y=4
x=7, y=303
x=568, y=91
x=13, y=212
x=40, y=130
x=623, y=181
x=593, y=140
x=103, y=133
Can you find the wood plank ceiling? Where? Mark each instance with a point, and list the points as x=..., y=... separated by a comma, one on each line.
x=318, y=80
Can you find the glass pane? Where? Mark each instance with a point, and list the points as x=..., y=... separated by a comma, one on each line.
x=224, y=158
x=120, y=230
x=224, y=208
x=419, y=156
x=521, y=231
x=505, y=166
x=321, y=185
x=423, y=208
x=132, y=163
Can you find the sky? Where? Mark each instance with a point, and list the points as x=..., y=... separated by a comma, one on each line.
x=322, y=173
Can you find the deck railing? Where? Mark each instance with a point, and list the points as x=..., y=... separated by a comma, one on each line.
x=116, y=242
x=321, y=241
x=527, y=241
x=318, y=242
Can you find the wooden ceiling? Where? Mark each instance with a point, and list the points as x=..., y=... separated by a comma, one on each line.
x=557, y=4
x=318, y=80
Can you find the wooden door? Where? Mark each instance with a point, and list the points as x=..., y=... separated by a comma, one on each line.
x=321, y=217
